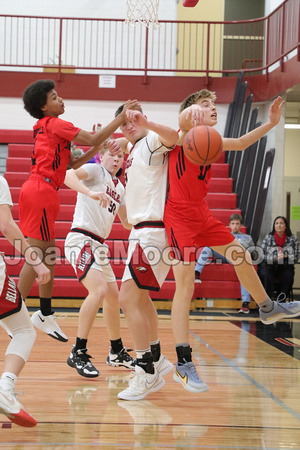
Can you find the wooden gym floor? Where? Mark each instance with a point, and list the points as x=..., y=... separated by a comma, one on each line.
x=253, y=373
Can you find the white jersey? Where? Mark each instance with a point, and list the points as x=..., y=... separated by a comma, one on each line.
x=5, y=199
x=146, y=177
x=2, y=272
x=89, y=215
x=5, y=196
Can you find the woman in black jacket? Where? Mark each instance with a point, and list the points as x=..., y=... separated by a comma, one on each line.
x=281, y=252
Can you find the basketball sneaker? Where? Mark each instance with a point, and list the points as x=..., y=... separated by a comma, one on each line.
x=142, y=384
x=197, y=277
x=12, y=408
x=280, y=311
x=245, y=308
x=48, y=325
x=121, y=359
x=187, y=375
x=80, y=360
x=163, y=365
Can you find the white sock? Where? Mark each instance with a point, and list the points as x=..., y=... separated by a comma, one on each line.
x=8, y=381
x=141, y=353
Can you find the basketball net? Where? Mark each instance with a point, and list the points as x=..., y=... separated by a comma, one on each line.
x=142, y=11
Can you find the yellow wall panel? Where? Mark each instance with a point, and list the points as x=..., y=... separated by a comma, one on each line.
x=192, y=39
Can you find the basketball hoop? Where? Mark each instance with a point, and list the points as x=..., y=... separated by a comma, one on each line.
x=142, y=11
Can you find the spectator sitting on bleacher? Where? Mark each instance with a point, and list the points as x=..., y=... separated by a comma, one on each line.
x=235, y=223
x=281, y=252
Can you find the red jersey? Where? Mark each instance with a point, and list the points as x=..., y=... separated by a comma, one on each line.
x=188, y=220
x=189, y=183
x=51, y=151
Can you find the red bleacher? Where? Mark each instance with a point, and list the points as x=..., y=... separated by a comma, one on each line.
x=218, y=281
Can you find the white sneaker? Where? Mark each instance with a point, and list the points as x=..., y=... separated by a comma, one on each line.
x=48, y=325
x=142, y=384
x=12, y=408
x=163, y=365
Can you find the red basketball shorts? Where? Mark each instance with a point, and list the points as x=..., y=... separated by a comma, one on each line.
x=10, y=298
x=38, y=208
x=190, y=227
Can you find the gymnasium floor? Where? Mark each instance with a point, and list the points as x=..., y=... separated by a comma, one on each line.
x=253, y=372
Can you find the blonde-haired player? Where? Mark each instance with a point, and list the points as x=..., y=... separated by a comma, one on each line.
x=100, y=198
x=146, y=269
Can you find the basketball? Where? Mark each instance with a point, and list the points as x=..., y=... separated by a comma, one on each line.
x=203, y=145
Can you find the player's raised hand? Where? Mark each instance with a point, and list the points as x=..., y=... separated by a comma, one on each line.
x=114, y=146
x=275, y=111
x=195, y=115
x=130, y=104
x=137, y=118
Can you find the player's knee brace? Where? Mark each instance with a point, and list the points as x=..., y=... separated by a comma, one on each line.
x=22, y=342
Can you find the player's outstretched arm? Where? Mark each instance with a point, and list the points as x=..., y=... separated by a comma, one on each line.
x=248, y=139
x=95, y=140
x=167, y=136
x=13, y=234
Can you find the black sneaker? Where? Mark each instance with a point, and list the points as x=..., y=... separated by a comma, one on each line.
x=80, y=360
x=197, y=277
x=245, y=308
x=121, y=359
